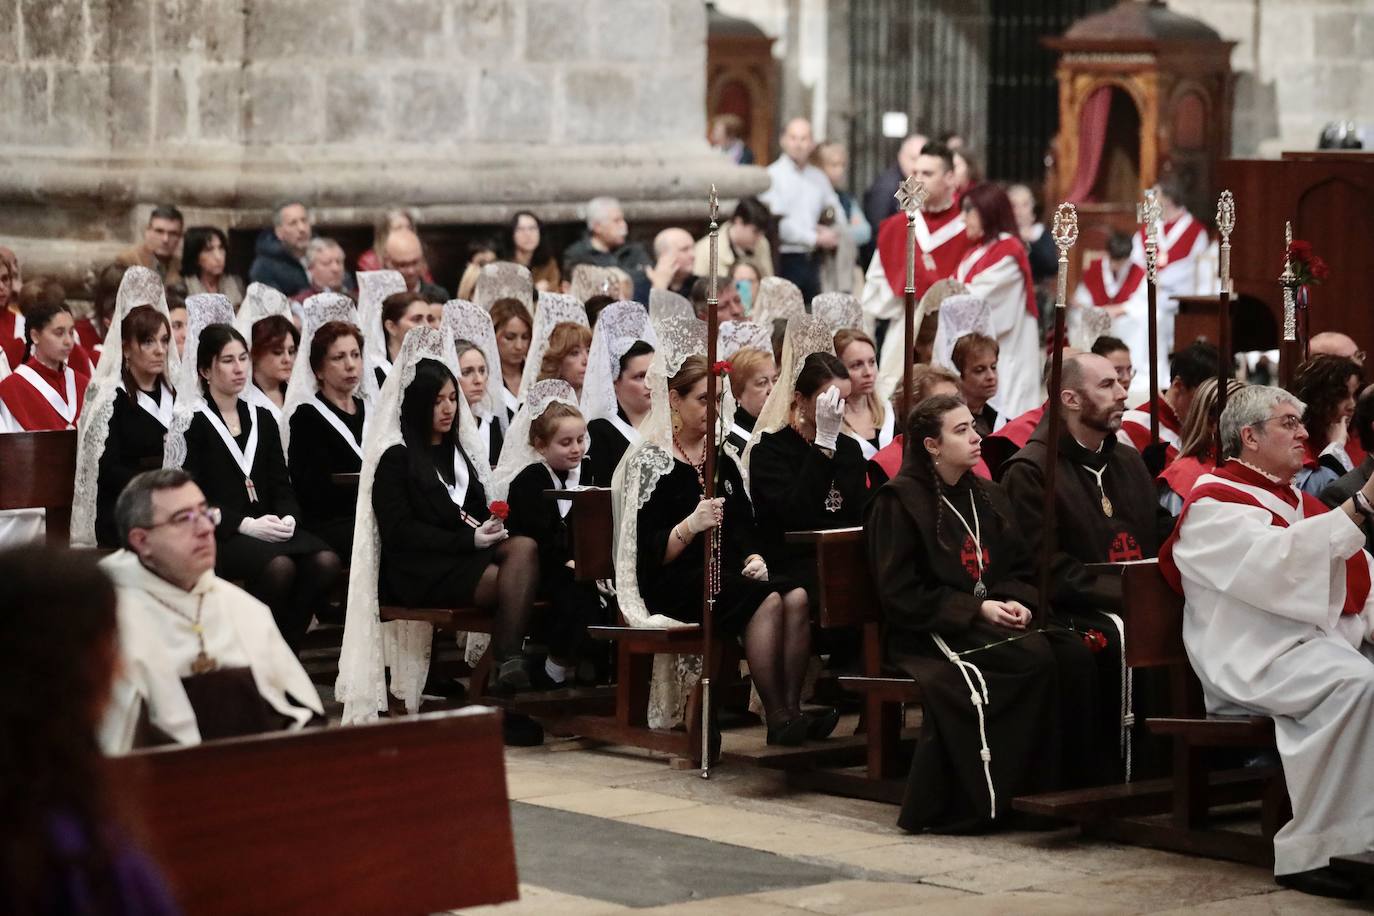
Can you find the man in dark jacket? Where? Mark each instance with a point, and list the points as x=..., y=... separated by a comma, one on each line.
x=604, y=244
x=280, y=253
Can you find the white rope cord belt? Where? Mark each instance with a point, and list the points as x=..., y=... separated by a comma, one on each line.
x=1127, y=703
x=979, y=701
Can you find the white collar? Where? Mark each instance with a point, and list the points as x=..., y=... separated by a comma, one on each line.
x=66, y=410
x=459, y=491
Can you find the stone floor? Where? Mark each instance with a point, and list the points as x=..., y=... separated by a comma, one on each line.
x=606, y=830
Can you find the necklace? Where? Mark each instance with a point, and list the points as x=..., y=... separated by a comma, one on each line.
x=980, y=590
x=713, y=542
x=1106, y=503
x=698, y=466
x=202, y=663
x=834, y=499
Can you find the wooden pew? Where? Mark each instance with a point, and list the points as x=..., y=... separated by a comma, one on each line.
x=38, y=470
x=847, y=599
x=1175, y=813
x=405, y=816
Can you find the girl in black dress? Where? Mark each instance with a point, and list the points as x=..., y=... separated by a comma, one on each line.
x=400, y=313
x=327, y=436
x=611, y=436
x=772, y=616
x=275, y=342
x=440, y=544
x=960, y=616
x=233, y=450
x=559, y=436
x=142, y=412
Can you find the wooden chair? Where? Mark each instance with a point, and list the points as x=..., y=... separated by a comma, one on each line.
x=38, y=470
x=1174, y=813
x=404, y=816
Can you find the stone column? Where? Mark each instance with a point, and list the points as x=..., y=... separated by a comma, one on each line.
x=461, y=109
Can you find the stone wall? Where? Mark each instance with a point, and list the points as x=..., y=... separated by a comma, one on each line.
x=1299, y=65
x=462, y=109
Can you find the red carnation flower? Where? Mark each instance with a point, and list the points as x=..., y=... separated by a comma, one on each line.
x=1318, y=269
x=500, y=508
x=1094, y=640
x=721, y=367
x=1299, y=250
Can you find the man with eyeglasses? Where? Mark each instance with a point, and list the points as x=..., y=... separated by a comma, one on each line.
x=200, y=657
x=1277, y=622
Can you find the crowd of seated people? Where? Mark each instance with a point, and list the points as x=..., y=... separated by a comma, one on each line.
x=362, y=433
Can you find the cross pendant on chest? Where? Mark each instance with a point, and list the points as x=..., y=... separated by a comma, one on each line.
x=252, y=490
x=833, y=500
x=203, y=663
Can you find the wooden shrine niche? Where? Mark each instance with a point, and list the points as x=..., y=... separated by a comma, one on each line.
x=742, y=79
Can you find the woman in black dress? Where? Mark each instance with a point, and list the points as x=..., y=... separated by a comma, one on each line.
x=772, y=616
x=474, y=379
x=960, y=616
x=233, y=450
x=400, y=313
x=514, y=331
x=440, y=544
x=141, y=414
x=327, y=436
x=753, y=373
x=611, y=436
x=558, y=436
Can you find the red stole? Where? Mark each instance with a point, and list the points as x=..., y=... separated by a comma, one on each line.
x=1180, y=235
x=30, y=406
x=90, y=338
x=1136, y=424
x=1095, y=282
x=1006, y=246
x=948, y=248
x=9, y=342
x=1180, y=475
x=1357, y=581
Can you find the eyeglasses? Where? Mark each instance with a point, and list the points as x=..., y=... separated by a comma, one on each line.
x=1289, y=421
x=1125, y=375
x=189, y=517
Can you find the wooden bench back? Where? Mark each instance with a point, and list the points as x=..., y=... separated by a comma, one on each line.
x=846, y=594
x=1152, y=613
x=402, y=816
x=593, y=531
x=38, y=470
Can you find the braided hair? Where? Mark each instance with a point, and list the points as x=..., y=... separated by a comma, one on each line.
x=927, y=421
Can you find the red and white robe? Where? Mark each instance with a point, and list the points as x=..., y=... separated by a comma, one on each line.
x=34, y=398
x=12, y=336
x=1135, y=428
x=941, y=241
x=1180, y=242
x=1276, y=622
x=1101, y=287
x=999, y=272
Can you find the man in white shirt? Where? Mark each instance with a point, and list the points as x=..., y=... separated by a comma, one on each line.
x=806, y=204
x=200, y=658
x=1277, y=623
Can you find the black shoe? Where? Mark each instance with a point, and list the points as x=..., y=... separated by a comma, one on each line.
x=821, y=723
x=444, y=688
x=788, y=734
x=1322, y=882
x=513, y=675
x=519, y=730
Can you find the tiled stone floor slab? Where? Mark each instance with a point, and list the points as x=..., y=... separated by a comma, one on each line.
x=852, y=898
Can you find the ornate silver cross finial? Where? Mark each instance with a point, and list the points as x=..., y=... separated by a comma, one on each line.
x=1226, y=223
x=1065, y=231
x=714, y=203
x=911, y=195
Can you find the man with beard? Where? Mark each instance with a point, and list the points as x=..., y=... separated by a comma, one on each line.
x=1105, y=511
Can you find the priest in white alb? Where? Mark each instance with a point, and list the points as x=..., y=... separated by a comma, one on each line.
x=1182, y=238
x=1277, y=622
x=199, y=657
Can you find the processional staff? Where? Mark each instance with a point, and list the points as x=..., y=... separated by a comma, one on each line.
x=1149, y=213
x=911, y=196
x=1065, y=234
x=1226, y=224
x=710, y=585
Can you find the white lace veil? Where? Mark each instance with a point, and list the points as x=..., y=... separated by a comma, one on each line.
x=618, y=326
x=260, y=301
x=1086, y=324
x=588, y=280
x=518, y=454
x=373, y=288
x=320, y=309
x=777, y=298
x=140, y=286
x=503, y=280
x=368, y=645
x=554, y=309
x=960, y=314
x=738, y=335
x=891, y=362
x=466, y=321
x=806, y=334
x=838, y=311
x=202, y=310
x=645, y=462
x=664, y=302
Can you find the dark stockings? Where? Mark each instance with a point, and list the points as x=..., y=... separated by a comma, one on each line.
x=295, y=587
x=509, y=586
x=777, y=644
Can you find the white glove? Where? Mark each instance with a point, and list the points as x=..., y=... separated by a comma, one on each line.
x=706, y=515
x=829, y=417
x=756, y=569
x=267, y=528
x=290, y=522
x=492, y=531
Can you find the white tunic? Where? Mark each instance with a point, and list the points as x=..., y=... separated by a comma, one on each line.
x=1264, y=632
x=158, y=644
x=1018, y=335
